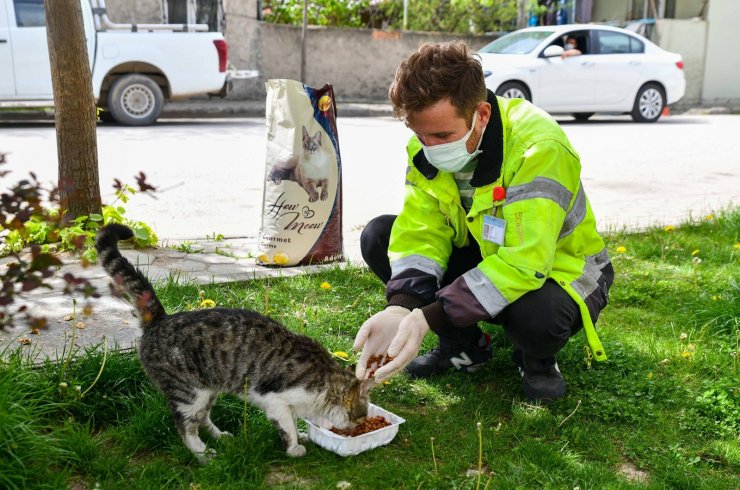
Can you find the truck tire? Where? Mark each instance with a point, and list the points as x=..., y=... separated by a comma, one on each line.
x=135, y=100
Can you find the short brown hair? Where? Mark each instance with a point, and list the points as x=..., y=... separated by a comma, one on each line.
x=434, y=72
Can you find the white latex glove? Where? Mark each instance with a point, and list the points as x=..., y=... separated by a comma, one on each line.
x=405, y=345
x=375, y=335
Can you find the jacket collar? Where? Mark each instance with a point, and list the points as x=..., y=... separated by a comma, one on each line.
x=489, y=161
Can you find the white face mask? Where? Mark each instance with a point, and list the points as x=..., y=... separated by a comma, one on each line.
x=451, y=157
x=569, y=46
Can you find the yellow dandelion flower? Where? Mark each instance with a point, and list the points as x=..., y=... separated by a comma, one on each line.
x=736, y=246
x=686, y=354
x=207, y=303
x=650, y=375
x=264, y=258
x=694, y=253
x=669, y=228
x=709, y=217
x=341, y=354
x=621, y=249
x=715, y=298
x=280, y=258
x=325, y=285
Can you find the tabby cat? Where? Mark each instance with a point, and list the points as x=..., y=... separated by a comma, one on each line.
x=193, y=356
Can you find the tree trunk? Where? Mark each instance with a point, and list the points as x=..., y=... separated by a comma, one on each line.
x=74, y=107
x=521, y=18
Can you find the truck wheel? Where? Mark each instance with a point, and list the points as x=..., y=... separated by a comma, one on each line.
x=135, y=100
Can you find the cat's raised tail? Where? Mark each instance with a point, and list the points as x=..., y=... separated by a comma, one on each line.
x=134, y=283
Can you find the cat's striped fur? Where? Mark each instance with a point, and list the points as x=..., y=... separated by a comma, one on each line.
x=193, y=356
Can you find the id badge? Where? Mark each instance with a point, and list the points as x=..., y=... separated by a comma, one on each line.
x=494, y=229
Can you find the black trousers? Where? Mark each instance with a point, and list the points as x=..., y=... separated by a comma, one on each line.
x=539, y=323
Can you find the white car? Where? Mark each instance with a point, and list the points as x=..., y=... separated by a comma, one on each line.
x=616, y=71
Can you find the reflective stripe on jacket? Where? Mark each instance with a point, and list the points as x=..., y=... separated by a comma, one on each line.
x=550, y=228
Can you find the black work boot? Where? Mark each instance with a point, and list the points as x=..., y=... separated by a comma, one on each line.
x=541, y=378
x=444, y=358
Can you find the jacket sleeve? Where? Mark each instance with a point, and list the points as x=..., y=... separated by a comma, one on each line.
x=420, y=246
x=540, y=191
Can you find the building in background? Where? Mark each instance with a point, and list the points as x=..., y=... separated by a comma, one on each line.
x=702, y=31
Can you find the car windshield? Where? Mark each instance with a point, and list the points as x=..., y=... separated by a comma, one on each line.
x=521, y=42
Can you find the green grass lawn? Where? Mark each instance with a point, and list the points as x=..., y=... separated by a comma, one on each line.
x=662, y=412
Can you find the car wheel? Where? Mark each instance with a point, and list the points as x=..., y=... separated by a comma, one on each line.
x=135, y=100
x=649, y=103
x=582, y=116
x=514, y=90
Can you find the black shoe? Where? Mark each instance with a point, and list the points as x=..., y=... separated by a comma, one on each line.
x=443, y=359
x=541, y=378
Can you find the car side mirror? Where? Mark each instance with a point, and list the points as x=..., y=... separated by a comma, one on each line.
x=552, y=51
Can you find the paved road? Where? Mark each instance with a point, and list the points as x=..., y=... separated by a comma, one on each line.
x=211, y=172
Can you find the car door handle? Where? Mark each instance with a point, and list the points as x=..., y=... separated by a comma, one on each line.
x=587, y=63
x=2, y=41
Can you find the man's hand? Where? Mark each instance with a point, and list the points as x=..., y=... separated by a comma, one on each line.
x=375, y=336
x=405, y=345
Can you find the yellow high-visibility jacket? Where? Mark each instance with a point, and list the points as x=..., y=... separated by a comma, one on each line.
x=550, y=228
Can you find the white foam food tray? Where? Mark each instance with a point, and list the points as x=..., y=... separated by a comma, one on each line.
x=350, y=446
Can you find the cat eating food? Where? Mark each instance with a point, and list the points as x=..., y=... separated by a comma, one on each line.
x=193, y=356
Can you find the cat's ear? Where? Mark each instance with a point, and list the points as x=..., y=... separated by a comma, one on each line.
x=366, y=385
x=305, y=133
x=317, y=137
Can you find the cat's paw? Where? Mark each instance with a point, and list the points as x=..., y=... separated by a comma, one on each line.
x=296, y=451
x=302, y=436
x=313, y=198
x=224, y=433
x=324, y=195
x=205, y=456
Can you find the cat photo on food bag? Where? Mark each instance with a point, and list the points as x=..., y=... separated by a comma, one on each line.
x=311, y=168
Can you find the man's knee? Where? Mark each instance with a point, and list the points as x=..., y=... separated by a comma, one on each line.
x=376, y=234
x=374, y=241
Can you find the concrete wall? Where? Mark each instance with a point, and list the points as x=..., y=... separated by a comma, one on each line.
x=620, y=10
x=722, y=65
x=688, y=9
x=135, y=11
x=359, y=63
x=688, y=38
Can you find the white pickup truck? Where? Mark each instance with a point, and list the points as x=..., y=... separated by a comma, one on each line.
x=135, y=68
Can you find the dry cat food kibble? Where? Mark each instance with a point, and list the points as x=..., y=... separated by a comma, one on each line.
x=368, y=424
x=374, y=362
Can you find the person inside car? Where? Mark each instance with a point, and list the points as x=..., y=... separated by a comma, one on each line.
x=571, y=48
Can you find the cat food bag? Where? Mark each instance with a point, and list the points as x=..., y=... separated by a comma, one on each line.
x=302, y=199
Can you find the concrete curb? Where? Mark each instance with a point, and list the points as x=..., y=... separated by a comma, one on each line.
x=212, y=108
